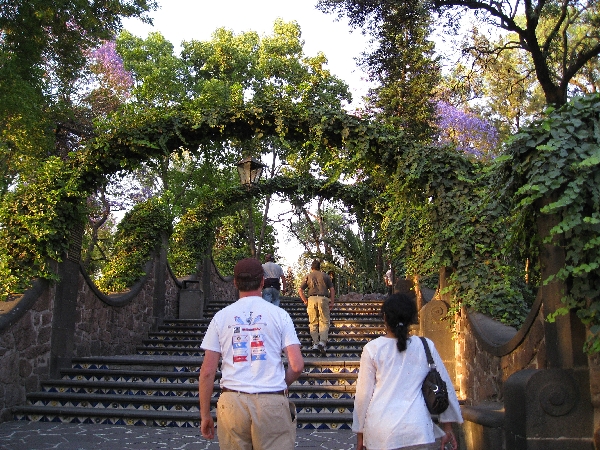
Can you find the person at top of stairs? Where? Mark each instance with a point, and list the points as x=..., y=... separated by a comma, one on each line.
x=253, y=410
x=273, y=273
x=321, y=296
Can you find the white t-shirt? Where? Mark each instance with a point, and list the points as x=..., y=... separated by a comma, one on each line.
x=250, y=334
x=389, y=407
x=272, y=270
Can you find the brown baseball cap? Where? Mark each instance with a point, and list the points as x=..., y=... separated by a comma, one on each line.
x=248, y=269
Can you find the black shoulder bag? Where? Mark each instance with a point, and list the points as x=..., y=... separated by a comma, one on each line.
x=434, y=388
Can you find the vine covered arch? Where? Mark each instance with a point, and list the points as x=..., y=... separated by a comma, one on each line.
x=198, y=224
x=131, y=138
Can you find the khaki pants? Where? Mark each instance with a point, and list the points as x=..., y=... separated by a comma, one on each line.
x=254, y=422
x=435, y=446
x=318, y=318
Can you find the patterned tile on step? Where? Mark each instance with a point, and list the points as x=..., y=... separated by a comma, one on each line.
x=188, y=381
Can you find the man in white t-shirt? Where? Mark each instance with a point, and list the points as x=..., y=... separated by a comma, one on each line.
x=273, y=275
x=253, y=410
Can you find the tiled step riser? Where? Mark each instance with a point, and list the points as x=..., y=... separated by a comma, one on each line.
x=144, y=393
x=167, y=398
x=301, y=327
x=346, y=339
x=330, y=353
x=325, y=421
x=187, y=402
x=335, y=332
x=305, y=343
x=116, y=382
x=62, y=417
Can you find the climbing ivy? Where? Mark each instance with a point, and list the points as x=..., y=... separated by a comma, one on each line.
x=554, y=170
x=37, y=220
x=193, y=234
x=440, y=215
x=139, y=234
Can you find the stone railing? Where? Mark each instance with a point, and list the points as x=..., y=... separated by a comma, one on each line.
x=514, y=396
x=25, y=334
x=44, y=328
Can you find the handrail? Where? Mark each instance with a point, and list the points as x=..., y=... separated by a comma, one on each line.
x=501, y=342
x=24, y=303
x=121, y=298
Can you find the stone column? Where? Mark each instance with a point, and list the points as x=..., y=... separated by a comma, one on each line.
x=65, y=306
x=160, y=271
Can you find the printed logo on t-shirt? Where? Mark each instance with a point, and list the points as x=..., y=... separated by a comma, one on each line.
x=240, y=347
x=249, y=320
x=258, y=348
x=247, y=344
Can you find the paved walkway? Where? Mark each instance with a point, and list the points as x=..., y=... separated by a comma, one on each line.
x=24, y=435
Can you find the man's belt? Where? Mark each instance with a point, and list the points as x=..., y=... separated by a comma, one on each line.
x=224, y=389
x=272, y=283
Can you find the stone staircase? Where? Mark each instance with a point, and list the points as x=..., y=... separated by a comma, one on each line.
x=158, y=386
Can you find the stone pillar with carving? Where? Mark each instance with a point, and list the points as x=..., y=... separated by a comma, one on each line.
x=433, y=324
x=548, y=409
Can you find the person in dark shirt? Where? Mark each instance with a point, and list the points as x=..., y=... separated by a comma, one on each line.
x=321, y=296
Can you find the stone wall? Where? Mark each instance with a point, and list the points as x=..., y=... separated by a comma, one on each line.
x=102, y=329
x=25, y=354
x=221, y=287
x=480, y=374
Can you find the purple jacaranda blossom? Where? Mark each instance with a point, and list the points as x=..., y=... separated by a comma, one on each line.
x=108, y=64
x=469, y=133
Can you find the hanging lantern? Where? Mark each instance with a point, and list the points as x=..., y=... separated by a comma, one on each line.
x=250, y=169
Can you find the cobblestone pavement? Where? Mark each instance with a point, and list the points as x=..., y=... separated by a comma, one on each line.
x=24, y=435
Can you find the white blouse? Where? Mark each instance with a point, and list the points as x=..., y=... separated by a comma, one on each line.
x=389, y=407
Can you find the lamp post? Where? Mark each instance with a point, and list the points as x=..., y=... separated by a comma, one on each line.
x=250, y=169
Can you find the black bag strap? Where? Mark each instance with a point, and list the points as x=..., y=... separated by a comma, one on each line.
x=428, y=353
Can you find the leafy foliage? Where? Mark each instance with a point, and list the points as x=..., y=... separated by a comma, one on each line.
x=560, y=37
x=138, y=235
x=559, y=159
x=42, y=53
x=37, y=220
x=441, y=215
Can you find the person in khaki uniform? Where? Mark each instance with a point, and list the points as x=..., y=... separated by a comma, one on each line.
x=321, y=296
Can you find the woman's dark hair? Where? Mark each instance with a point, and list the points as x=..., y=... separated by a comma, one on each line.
x=399, y=311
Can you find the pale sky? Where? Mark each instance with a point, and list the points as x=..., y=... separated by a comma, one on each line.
x=186, y=20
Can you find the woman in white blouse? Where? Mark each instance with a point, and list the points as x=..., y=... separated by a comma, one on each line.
x=389, y=409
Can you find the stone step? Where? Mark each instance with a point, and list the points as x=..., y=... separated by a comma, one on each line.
x=333, y=341
x=336, y=329
x=306, y=404
x=334, y=336
x=82, y=377
x=331, y=351
x=308, y=386
x=159, y=385
x=301, y=310
x=188, y=326
x=176, y=364
x=134, y=417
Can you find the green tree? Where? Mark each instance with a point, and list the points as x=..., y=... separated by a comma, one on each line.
x=42, y=122
x=561, y=37
x=230, y=72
